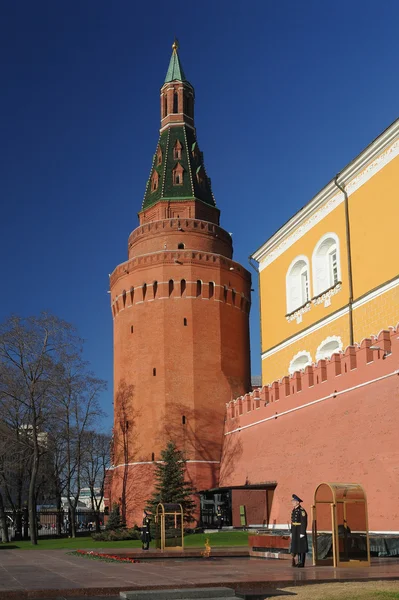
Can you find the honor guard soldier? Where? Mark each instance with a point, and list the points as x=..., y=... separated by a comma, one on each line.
x=145, y=532
x=299, y=540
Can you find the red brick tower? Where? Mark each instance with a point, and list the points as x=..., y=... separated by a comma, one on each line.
x=180, y=306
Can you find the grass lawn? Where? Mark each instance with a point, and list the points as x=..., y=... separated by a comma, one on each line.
x=370, y=590
x=197, y=540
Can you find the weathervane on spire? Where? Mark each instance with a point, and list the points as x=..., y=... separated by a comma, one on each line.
x=175, y=45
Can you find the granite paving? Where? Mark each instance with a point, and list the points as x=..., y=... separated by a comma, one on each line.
x=58, y=574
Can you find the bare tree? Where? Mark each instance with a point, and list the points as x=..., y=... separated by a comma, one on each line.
x=32, y=351
x=95, y=465
x=124, y=440
x=77, y=409
x=3, y=521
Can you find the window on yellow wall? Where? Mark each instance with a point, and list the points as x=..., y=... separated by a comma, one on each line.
x=326, y=263
x=328, y=347
x=298, y=284
x=300, y=361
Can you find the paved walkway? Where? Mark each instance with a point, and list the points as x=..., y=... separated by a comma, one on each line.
x=51, y=573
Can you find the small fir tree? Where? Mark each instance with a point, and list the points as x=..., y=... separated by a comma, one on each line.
x=115, y=520
x=170, y=485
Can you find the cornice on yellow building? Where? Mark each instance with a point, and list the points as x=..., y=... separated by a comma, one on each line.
x=369, y=162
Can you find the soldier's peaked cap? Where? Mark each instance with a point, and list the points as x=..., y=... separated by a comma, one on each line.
x=297, y=498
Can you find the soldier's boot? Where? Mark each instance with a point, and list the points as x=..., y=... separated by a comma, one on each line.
x=301, y=563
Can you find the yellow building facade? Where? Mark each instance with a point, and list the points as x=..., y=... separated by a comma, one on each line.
x=330, y=276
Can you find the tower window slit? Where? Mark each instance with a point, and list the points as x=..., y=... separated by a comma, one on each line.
x=154, y=372
x=185, y=322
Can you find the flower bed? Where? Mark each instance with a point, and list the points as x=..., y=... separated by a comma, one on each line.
x=104, y=557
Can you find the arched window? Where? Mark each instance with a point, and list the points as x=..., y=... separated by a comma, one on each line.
x=171, y=286
x=199, y=288
x=326, y=264
x=233, y=297
x=144, y=288
x=131, y=295
x=180, y=246
x=183, y=287
x=154, y=181
x=211, y=289
x=124, y=298
x=328, y=347
x=175, y=102
x=300, y=361
x=297, y=283
x=177, y=150
x=159, y=155
x=165, y=105
x=155, y=288
x=178, y=175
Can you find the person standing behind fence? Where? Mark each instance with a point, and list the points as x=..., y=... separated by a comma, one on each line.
x=219, y=517
x=145, y=532
x=299, y=540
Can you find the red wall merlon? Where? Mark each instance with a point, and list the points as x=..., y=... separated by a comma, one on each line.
x=336, y=421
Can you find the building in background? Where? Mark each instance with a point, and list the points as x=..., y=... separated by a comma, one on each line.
x=330, y=277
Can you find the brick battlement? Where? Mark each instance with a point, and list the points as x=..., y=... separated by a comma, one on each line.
x=183, y=257
x=373, y=358
x=185, y=225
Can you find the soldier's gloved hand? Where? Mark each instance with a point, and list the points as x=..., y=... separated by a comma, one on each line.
x=301, y=535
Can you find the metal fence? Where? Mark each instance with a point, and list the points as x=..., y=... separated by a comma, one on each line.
x=52, y=523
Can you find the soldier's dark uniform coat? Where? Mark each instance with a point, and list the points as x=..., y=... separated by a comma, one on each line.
x=299, y=523
x=146, y=533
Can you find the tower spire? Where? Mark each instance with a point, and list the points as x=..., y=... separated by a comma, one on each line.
x=175, y=70
x=178, y=172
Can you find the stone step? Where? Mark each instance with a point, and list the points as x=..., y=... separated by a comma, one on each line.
x=209, y=593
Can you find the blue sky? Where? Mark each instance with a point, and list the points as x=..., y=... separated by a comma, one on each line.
x=287, y=93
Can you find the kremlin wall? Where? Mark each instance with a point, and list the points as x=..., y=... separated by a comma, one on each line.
x=180, y=307
x=336, y=421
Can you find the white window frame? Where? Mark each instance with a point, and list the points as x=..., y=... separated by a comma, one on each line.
x=295, y=359
x=322, y=267
x=293, y=280
x=321, y=354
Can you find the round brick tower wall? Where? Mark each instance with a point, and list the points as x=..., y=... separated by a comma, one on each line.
x=180, y=306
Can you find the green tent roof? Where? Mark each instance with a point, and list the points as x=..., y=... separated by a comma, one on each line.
x=192, y=163
x=175, y=70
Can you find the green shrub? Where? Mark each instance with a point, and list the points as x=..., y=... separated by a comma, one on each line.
x=116, y=535
x=115, y=520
